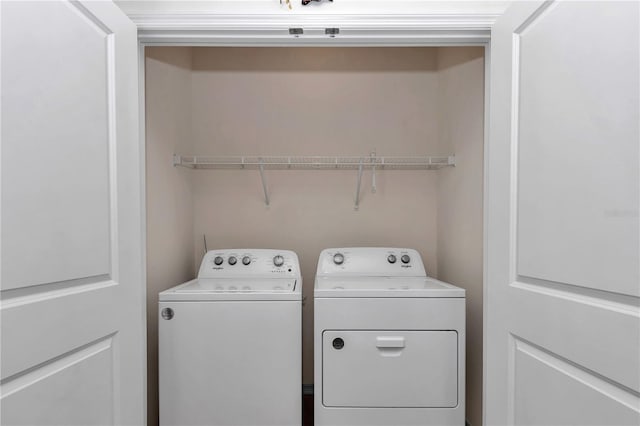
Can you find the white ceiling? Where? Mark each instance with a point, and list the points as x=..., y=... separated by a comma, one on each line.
x=325, y=7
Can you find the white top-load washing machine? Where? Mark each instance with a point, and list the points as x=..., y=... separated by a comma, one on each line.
x=389, y=341
x=230, y=342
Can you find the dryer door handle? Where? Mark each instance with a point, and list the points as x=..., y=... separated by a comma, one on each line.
x=394, y=342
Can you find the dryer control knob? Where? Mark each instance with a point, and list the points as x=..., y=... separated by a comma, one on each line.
x=338, y=258
x=392, y=258
x=278, y=260
x=405, y=258
x=246, y=260
x=218, y=260
x=232, y=260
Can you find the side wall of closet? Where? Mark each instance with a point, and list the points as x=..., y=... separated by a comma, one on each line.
x=460, y=195
x=170, y=248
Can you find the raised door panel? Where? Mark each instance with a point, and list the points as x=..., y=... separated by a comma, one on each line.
x=57, y=77
x=553, y=391
x=84, y=376
x=576, y=111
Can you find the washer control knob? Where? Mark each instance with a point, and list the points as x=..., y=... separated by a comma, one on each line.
x=218, y=260
x=167, y=313
x=392, y=258
x=405, y=258
x=338, y=258
x=338, y=343
x=232, y=260
x=246, y=260
x=278, y=260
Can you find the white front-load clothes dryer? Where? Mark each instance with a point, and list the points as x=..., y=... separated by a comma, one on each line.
x=389, y=341
x=230, y=342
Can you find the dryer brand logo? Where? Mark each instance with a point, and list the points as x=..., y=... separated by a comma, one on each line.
x=405, y=266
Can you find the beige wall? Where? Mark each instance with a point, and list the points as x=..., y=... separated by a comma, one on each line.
x=311, y=101
x=170, y=253
x=460, y=195
x=318, y=101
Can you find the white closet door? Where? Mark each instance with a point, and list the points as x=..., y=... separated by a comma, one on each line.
x=563, y=321
x=73, y=342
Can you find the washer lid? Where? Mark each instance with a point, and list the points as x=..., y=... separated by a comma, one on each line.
x=385, y=287
x=234, y=289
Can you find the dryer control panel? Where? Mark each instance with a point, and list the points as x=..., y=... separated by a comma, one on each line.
x=370, y=262
x=267, y=263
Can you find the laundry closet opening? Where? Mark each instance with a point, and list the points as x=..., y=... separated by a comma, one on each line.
x=306, y=102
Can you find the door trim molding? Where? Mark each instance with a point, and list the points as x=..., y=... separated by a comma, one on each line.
x=273, y=29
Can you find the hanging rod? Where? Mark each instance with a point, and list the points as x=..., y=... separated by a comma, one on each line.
x=315, y=162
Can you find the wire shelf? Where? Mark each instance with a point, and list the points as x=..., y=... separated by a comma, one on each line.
x=315, y=162
x=262, y=163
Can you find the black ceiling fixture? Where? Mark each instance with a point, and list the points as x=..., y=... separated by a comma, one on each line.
x=306, y=2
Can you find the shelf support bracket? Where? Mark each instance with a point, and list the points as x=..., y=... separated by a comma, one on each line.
x=264, y=183
x=360, y=166
x=374, y=188
x=373, y=158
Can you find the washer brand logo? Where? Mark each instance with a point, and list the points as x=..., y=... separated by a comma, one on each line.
x=218, y=268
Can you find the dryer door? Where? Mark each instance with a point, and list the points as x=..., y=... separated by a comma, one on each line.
x=401, y=369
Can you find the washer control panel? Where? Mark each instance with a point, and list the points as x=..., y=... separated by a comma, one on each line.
x=249, y=262
x=370, y=262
